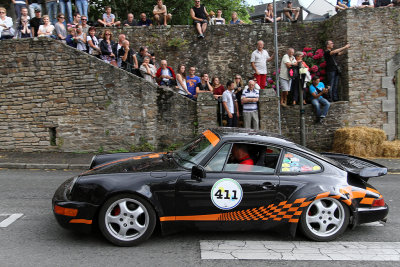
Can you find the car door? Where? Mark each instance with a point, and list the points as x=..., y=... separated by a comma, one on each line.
x=226, y=190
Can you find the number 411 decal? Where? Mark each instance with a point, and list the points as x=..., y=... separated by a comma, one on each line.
x=219, y=194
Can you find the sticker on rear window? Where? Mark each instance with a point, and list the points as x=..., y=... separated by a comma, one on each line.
x=226, y=194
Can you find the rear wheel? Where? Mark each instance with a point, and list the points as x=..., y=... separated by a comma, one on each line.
x=127, y=220
x=325, y=219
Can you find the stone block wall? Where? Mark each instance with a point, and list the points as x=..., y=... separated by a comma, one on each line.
x=49, y=89
x=374, y=38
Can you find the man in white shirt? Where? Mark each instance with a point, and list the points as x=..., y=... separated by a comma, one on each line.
x=259, y=59
x=230, y=104
x=288, y=61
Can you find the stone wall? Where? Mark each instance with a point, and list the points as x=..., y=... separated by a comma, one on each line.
x=374, y=37
x=49, y=88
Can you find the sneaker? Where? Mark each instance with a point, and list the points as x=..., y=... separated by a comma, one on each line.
x=199, y=36
x=202, y=36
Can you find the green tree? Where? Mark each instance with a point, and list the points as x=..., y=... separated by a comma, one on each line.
x=178, y=8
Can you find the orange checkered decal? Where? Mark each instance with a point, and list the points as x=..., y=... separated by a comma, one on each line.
x=282, y=211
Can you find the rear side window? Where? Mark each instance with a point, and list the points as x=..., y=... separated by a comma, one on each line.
x=294, y=163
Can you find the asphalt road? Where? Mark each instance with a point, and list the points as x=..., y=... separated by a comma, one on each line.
x=35, y=239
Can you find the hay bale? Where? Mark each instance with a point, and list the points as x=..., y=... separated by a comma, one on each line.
x=359, y=141
x=390, y=149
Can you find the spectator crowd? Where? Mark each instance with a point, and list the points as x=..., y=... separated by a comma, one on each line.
x=237, y=99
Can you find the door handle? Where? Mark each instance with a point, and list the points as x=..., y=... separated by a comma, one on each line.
x=269, y=186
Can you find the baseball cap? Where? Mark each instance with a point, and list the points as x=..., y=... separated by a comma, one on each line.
x=37, y=10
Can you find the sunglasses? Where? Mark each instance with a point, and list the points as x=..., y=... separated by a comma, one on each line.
x=238, y=78
x=84, y=19
x=108, y=34
x=61, y=17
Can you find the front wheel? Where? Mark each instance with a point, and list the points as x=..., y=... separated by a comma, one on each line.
x=127, y=220
x=325, y=219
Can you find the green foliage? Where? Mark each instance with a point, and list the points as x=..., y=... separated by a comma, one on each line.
x=180, y=9
x=173, y=146
x=143, y=146
x=121, y=150
x=177, y=42
x=101, y=149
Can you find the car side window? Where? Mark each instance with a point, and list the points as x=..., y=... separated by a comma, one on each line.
x=217, y=163
x=252, y=158
x=293, y=163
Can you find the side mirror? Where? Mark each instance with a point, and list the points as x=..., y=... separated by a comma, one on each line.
x=198, y=172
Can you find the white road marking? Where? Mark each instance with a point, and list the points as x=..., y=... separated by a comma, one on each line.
x=10, y=219
x=299, y=250
x=373, y=224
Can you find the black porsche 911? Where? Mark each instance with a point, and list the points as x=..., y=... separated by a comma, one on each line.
x=226, y=179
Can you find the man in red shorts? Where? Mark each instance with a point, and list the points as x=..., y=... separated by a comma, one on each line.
x=259, y=59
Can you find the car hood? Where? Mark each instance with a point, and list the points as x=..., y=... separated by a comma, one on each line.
x=153, y=162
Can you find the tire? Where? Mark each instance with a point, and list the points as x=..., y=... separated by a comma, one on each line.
x=127, y=220
x=325, y=219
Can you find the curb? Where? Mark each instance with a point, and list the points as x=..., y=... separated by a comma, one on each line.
x=9, y=165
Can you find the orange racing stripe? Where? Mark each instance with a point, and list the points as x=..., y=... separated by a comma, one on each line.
x=211, y=137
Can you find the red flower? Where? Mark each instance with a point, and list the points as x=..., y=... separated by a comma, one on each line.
x=323, y=72
x=309, y=54
x=319, y=52
x=314, y=68
x=304, y=53
x=306, y=49
x=270, y=81
x=322, y=65
x=274, y=73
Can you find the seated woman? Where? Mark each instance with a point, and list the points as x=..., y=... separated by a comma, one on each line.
x=181, y=80
x=6, y=25
x=269, y=14
x=46, y=29
x=148, y=70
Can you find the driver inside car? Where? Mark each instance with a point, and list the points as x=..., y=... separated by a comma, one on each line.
x=241, y=156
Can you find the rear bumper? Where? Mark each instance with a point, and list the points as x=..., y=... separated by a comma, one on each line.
x=373, y=214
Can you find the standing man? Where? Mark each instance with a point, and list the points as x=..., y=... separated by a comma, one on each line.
x=34, y=4
x=51, y=7
x=160, y=14
x=18, y=5
x=85, y=26
x=287, y=62
x=230, y=104
x=332, y=68
x=199, y=15
x=250, y=106
x=191, y=81
x=259, y=59
x=36, y=22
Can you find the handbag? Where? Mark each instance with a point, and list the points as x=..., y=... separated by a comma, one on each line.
x=7, y=32
x=338, y=69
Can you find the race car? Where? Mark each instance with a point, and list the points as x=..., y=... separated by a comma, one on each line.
x=226, y=179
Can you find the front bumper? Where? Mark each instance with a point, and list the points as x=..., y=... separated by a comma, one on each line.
x=80, y=215
x=373, y=214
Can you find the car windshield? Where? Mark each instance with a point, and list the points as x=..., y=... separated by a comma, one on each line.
x=194, y=152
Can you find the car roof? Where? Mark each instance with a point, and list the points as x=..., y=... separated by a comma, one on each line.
x=242, y=134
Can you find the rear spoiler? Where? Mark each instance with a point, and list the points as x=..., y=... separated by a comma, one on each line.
x=363, y=168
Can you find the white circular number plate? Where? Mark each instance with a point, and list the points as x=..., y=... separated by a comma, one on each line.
x=226, y=194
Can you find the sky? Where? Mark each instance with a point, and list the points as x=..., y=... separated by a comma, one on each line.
x=258, y=2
